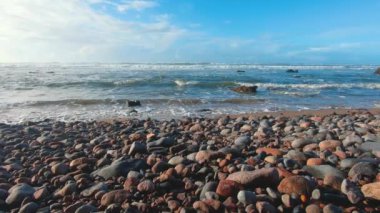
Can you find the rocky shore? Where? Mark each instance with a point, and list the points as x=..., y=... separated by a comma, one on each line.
x=267, y=163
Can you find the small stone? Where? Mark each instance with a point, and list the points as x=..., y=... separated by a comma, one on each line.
x=295, y=184
x=137, y=147
x=313, y=208
x=18, y=193
x=40, y=194
x=196, y=128
x=146, y=186
x=89, y=192
x=176, y=160
x=352, y=191
x=60, y=169
x=68, y=189
x=314, y=161
x=330, y=208
x=211, y=196
x=300, y=142
x=227, y=188
x=200, y=206
x=370, y=146
x=329, y=145
x=29, y=207
x=120, y=167
x=333, y=181
x=246, y=197
x=271, y=159
x=362, y=169
x=371, y=190
x=86, y=209
x=269, y=151
x=116, y=196
x=321, y=171
x=261, y=177
x=242, y=141
x=297, y=156
x=173, y=205
x=206, y=156
x=265, y=207
x=209, y=186
x=352, y=139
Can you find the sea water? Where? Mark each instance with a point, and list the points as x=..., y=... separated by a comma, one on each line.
x=71, y=92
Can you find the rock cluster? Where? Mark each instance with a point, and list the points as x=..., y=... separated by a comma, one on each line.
x=243, y=164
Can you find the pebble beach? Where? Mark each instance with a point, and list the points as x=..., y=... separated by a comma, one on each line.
x=314, y=161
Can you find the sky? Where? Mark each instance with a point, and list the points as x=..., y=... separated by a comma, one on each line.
x=176, y=31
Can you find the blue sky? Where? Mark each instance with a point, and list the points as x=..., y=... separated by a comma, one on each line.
x=224, y=31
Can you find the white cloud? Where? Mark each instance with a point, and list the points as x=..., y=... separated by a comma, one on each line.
x=333, y=48
x=138, y=5
x=70, y=30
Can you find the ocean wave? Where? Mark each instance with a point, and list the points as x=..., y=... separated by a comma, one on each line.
x=182, y=83
x=119, y=83
x=298, y=93
x=186, y=66
x=88, y=102
x=274, y=86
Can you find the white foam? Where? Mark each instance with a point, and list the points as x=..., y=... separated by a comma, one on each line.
x=313, y=86
x=182, y=83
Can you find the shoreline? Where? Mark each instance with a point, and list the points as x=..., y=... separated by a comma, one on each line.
x=309, y=112
x=256, y=115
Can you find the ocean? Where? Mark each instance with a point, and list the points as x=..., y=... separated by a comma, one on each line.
x=69, y=92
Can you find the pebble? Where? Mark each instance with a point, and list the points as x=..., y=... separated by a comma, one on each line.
x=352, y=191
x=320, y=171
x=251, y=164
x=330, y=208
x=91, y=191
x=120, y=167
x=29, y=207
x=227, y=188
x=261, y=177
x=18, y=193
x=242, y=141
x=146, y=186
x=208, y=187
x=86, y=209
x=371, y=190
x=329, y=145
x=246, y=197
x=115, y=196
x=295, y=184
x=60, y=169
x=362, y=169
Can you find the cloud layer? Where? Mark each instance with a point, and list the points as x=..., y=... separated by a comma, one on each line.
x=138, y=31
x=70, y=30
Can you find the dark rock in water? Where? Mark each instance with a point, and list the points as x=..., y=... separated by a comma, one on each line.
x=292, y=71
x=377, y=71
x=245, y=89
x=240, y=71
x=204, y=110
x=120, y=167
x=134, y=103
